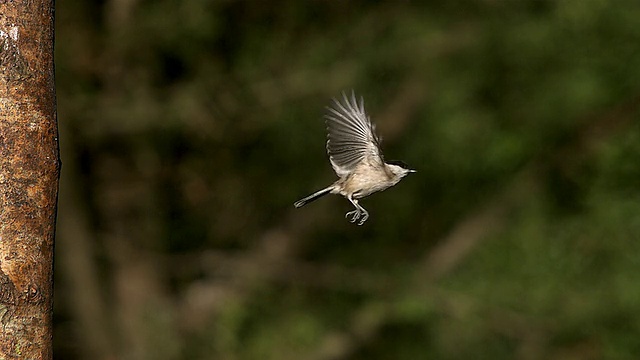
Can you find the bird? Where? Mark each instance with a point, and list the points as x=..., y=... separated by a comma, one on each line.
x=355, y=155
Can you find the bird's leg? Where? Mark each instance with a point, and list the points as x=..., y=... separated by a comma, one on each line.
x=355, y=214
x=358, y=214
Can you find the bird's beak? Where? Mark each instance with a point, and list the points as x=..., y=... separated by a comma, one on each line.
x=412, y=170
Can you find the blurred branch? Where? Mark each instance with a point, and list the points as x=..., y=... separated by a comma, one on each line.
x=221, y=265
x=77, y=261
x=118, y=17
x=395, y=118
x=466, y=235
x=265, y=261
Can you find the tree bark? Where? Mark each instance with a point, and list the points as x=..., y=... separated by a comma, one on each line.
x=29, y=172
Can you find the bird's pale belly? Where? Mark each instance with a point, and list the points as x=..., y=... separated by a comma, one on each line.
x=364, y=184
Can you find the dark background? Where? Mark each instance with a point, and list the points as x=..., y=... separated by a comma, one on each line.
x=189, y=128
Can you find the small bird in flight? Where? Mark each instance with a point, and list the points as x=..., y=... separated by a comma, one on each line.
x=354, y=153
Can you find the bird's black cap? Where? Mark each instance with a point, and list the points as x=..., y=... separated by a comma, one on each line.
x=400, y=163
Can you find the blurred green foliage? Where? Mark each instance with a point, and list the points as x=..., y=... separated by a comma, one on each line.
x=189, y=128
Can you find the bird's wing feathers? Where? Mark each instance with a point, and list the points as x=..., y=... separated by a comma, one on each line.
x=351, y=136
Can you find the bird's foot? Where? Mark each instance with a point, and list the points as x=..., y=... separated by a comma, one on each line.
x=364, y=215
x=353, y=215
x=357, y=214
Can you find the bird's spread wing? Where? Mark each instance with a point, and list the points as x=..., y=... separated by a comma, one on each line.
x=351, y=136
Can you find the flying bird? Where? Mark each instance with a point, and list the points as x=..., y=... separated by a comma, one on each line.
x=354, y=152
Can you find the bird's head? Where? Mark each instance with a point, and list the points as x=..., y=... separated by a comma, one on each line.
x=399, y=168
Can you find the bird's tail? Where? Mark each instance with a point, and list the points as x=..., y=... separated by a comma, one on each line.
x=314, y=196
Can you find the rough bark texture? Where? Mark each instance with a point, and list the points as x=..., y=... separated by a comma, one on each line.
x=29, y=171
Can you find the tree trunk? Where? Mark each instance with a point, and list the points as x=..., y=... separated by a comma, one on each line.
x=29, y=171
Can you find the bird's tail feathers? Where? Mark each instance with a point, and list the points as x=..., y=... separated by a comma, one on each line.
x=312, y=197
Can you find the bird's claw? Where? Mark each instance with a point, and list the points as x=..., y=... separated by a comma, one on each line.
x=364, y=215
x=356, y=215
